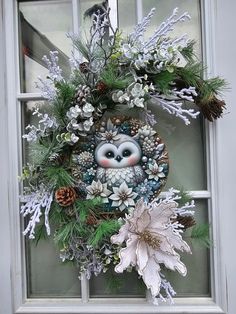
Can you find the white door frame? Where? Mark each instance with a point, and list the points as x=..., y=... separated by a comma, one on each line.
x=218, y=23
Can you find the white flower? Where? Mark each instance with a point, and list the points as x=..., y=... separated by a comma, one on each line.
x=85, y=125
x=129, y=51
x=138, y=102
x=73, y=112
x=74, y=139
x=151, y=240
x=120, y=97
x=87, y=110
x=98, y=189
x=155, y=172
x=137, y=90
x=123, y=196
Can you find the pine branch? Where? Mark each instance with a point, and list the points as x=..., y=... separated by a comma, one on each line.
x=113, y=80
x=201, y=234
x=65, y=96
x=105, y=229
x=59, y=176
x=188, y=52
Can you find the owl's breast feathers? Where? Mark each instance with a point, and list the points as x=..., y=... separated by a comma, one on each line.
x=115, y=176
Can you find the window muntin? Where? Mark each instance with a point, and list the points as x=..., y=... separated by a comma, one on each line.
x=187, y=170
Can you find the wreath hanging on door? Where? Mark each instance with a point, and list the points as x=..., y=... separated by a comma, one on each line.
x=98, y=164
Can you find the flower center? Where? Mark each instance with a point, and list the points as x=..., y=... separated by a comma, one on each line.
x=148, y=238
x=123, y=196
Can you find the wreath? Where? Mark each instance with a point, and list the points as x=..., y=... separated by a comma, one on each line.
x=96, y=175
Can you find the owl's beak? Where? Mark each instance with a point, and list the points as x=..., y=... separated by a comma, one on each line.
x=118, y=158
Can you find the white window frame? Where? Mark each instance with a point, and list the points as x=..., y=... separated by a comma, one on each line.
x=12, y=280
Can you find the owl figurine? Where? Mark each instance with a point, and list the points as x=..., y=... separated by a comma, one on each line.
x=118, y=161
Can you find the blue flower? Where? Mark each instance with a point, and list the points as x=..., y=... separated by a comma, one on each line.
x=145, y=190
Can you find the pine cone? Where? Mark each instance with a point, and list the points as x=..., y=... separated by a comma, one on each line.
x=91, y=220
x=101, y=87
x=186, y=221
x=81, y=94
x=212, y=109
x=65, y=196
x=84, y=67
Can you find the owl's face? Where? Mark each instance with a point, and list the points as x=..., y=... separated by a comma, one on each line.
x=123, y=153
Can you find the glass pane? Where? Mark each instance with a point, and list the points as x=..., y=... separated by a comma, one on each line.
x=43, y=27
x=127, y=18
x=197, y=281
x=164, y=9
x=184, y=143
x=195, y=284
x=47, y=276
x=113, y=285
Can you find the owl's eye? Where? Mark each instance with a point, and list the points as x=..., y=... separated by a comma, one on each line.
x=110, y=154
x=126, y=153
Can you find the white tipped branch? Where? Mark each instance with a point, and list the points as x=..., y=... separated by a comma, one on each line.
x=33, y=207
x=175, y=107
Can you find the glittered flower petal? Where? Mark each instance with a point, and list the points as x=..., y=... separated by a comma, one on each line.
x=151, y=276
x=128, y=254
x=142, y=256
x=171, y=261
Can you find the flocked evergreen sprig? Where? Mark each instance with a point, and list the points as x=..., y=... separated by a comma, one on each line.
x=97, y=223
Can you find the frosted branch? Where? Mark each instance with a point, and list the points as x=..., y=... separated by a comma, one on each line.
x=175, y=108
x=52, y=65
x=165, y=28
x=35, y=202
x=141, y=27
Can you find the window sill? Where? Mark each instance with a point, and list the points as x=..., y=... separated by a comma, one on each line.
x=116, y=306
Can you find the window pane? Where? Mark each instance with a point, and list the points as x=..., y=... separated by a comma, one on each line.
x=46, y=275
x=197, y=281
x=195, y=284
x=184, y=143
x=113, y=285
x=43, y=26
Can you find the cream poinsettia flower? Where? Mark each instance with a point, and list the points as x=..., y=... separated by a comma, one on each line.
x=151, y=240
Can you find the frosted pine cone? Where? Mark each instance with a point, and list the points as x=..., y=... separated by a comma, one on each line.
x=65, y=196
x=82, y=93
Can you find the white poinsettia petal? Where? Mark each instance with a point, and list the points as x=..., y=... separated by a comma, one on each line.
x=122, y=235
x=161, y=214
x=143, y=221
x=142, y=256
x=175, y=239
x=171, y=261
x=114, y=197
x=151, y=276
x=128, y=255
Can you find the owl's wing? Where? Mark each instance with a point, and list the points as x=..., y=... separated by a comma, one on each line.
x=139, y=174
x=101, y=174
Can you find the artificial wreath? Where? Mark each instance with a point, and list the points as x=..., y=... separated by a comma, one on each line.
x=95, y=174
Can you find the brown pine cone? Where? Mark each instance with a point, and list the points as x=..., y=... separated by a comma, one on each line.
x=65, y=196
x=84, y=67
x=91, y=220
x=101, y=87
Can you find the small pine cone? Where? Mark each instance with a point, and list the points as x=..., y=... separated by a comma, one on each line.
x=77, y=173
x=101, y=87
x=65, y=196
x=91, y=220
x=186, y=221
x=81, y=94
x=99, y=111
x=212, y=109
x=84, y=67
